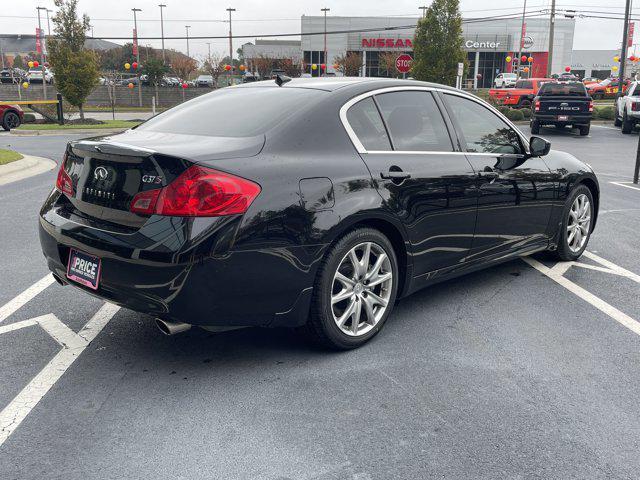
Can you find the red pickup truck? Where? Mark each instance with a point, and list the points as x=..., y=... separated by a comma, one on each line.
x=521, y=96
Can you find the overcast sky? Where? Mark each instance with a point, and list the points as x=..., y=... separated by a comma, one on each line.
x=254, y=17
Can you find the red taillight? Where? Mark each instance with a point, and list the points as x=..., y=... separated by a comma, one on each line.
x=591, y=105
x=635, y=106
x=537, y=106
x=63, y=182
x=198, y=192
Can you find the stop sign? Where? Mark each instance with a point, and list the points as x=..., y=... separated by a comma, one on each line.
x=403, y=63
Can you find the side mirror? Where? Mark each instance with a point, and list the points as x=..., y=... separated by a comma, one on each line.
x=539, y=147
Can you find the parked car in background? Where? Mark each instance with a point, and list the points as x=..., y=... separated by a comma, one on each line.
x=521, y=96
x=590, y=80
x=607, y=88
x=249, y=78
x=35, y=75
x=11, y=75
x=204, y=215
x=11, y=116
x=568, y=77
x=204, y=81
x=276, y=71
x=627, y=113
x=562, y=104
x=504, y=80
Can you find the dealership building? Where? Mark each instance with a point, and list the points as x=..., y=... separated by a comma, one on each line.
x=487, y=43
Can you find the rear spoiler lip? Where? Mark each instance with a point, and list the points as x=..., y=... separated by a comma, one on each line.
x=111, y=148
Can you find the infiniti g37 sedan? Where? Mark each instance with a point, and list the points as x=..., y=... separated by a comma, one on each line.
x=308, y=202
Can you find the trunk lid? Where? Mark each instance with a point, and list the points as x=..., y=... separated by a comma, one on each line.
x=107, y=172
x=569, y=105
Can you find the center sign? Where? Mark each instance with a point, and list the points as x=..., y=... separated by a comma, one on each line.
x=403, y=63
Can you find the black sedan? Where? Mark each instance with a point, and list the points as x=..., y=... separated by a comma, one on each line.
x=315, y=202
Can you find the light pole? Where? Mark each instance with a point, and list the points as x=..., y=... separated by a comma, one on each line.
x=524, y=10
x=230, y=39
x=48, y=24
x=44, y=77
x=324, y=60
x=187, y=27
x=209, y=47
x=424, y=11
x=552, y=22
x=162, y=5
x=135, y=40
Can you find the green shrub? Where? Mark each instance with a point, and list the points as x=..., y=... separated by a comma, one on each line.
x=503, y=109
x=526, y=112
x=604, y=113
x=515, y=115
x=29, y=118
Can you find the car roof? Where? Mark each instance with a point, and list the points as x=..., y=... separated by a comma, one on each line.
x=330, y=84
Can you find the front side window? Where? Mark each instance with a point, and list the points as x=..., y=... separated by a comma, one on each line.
x=524, y=84
x=367, y=125
x=414, y=121
x=483, y=130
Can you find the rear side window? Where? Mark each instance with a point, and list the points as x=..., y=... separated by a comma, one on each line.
x=524, y=84
x=233, y=112
x=367, y=125
x=414, y=121
x=563, y=89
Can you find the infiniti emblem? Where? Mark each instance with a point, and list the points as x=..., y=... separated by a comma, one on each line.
x=100, y=173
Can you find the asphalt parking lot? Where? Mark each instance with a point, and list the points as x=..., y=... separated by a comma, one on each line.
x=527, y=370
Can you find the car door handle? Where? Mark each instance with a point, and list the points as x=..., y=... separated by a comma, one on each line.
x=392, y=175
x=488, y=174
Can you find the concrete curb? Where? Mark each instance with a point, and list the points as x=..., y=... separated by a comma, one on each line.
x=69, y=131
x=25, y=168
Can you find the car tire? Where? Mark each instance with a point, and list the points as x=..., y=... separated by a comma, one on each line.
x=535, y=127
x=10, y=120
x=567, y=246
x=346, y=311
x=627, y=125
x=617, y=121
x=584, y=130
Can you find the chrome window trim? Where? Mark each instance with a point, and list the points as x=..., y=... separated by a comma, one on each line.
x=361, y=149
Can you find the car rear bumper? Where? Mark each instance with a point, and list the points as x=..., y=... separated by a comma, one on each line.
x=185, y=270
x=572, y=119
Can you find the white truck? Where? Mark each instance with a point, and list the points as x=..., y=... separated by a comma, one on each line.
x=627, y=112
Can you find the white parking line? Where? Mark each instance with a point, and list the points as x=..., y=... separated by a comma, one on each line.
x=72, y=346
x=621, y=184
x=556, y=274
x=11, y=306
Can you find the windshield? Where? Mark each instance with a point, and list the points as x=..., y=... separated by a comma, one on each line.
x=524, y=84
x=233, y=112
x=605, y=82
x=563, y=89
x=509, y=75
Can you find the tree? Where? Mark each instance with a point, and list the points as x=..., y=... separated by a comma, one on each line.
x=17, y=62
x=214, y=66
x=438, y=43
x=262, y=65
x=387, y=63
x=182, y=66
x=349, y=64
x=155, y=70
x=76, y=68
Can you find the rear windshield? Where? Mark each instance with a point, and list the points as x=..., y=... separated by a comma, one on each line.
x=524, y=84
x=233, y=112
x=563, y=89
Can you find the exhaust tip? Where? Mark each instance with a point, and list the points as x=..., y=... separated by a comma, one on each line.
x=59, y=279
x=171, y=328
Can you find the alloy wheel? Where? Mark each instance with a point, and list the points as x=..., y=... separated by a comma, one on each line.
x=579, y=223
x=12, y=120
x=361, y=289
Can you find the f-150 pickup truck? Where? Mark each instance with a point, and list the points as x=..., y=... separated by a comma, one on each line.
x=562, y=104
